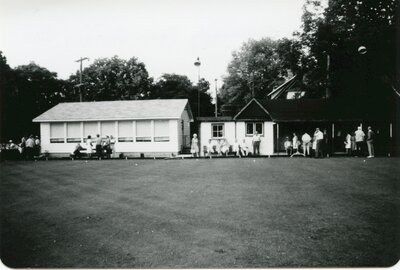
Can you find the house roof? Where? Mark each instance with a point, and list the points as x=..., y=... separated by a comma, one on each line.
x=215, y=119
x=283, y=88
x=116, y=110
x=253, y=111
x=282, y=110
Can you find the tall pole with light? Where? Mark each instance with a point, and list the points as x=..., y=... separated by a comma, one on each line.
x=216, y=98
x=80, y=76
x=197, y=64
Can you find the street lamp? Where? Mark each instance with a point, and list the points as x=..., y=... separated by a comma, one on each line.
x=216, y=98
x=197, y=64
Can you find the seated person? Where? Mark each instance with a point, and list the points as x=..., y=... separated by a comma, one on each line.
x=244, y=149
x=210, y=148
x=224, y=147
x=236, y=147
x=288, y=146
x=77, y=151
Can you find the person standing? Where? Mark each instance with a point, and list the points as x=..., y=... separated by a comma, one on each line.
x=30, y=145
x=107, y=147
x=347, y=144
x=256, y=143
x=37, y=146
x=360, y=135
x=99, y=149
x=89, y=146
x=295, y=143
x=22, y=146
x=319, y=137
x=306, y=139
x=112, y=145
x=370, y=143
x=194, y=147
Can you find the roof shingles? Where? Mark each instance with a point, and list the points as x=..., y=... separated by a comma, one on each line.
x=115, y=110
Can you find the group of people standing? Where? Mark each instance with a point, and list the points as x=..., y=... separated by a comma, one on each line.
x=355, y=142
x=28, y=148
x=316, y=143
x=103, y=147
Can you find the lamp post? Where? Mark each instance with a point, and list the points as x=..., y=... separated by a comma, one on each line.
x=80, y=76
x=197, y=64
x=216, y=98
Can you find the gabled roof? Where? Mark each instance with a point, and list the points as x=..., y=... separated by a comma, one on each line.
x=253, y=111
x=283, y=88
x=116, y=110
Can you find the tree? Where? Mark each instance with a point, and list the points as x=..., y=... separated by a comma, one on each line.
x=112, y=79
x=338, y=31
x=27, y=91
x=179, y=86
x=258, y=67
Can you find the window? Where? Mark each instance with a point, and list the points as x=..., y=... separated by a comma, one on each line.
x=57, y=133
x=161, y=131
x=107, y=129
x=252, y=127
x=125, y=131
x=143, y=131
x=217, y=130
x=74, y=132
x=89, y=128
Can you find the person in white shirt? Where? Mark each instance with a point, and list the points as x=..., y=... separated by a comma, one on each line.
x=306, y=139
x=244, y=149
x=224, y=147
x=359, y=136
x=235, y=148
x=295, y=143
x=89, y=146
x=319, y=137
x=288, y=146
x=256, y=143
x=347, y=144
x=210, y=148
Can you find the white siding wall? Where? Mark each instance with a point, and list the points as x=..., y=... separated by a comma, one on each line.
x=120, y=147
x=206, y=133
x=267, y=140
x=186, y=129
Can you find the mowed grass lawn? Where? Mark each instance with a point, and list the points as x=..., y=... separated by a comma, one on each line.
x=265, y=212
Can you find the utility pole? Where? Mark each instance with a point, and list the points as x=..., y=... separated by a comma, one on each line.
x=80, y=76
x=197, y=64
x=216, y=98
x=328, y=67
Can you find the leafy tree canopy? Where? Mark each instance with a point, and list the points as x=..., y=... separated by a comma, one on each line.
x=258, y=67
x=113, y=79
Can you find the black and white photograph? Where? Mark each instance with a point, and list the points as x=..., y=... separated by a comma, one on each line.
x=199, y=134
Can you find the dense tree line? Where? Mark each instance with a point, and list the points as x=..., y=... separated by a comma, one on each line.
x=29, y=90
x=332, y=30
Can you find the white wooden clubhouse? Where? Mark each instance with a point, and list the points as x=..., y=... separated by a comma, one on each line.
x=158, y=127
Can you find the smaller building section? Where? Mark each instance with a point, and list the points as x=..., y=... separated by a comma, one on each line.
x=139, y=127
x=240, y=128
x=277, y=119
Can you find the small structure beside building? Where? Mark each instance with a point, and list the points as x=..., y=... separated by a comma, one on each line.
x=158, y=127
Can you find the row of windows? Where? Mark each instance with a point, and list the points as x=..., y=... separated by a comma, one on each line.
x=218, y=131
x=75, y=132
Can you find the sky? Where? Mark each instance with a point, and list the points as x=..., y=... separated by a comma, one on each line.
x=166, y=35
